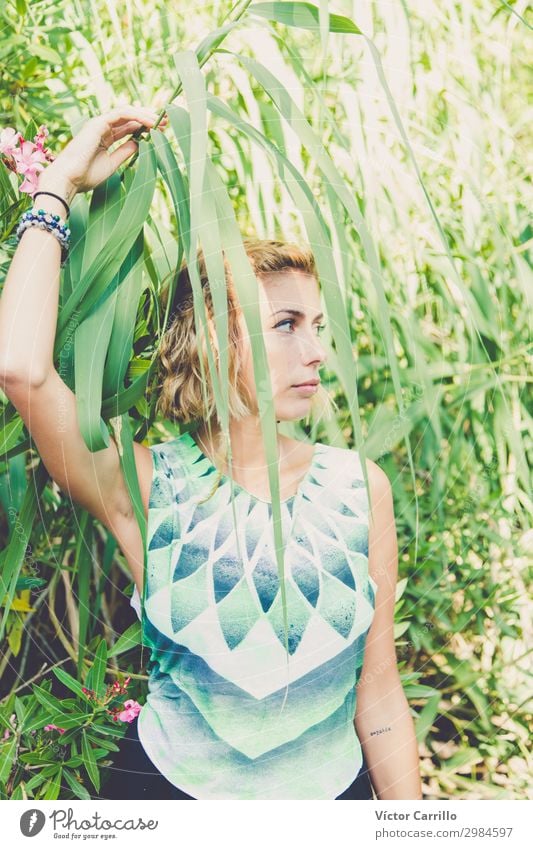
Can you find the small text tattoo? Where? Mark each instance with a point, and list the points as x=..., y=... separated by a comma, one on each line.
x=381, y=730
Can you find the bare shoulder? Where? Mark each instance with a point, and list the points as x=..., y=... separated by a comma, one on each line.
x=378, y=479
x=381, y=506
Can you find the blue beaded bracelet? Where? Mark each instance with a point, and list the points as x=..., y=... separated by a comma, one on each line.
x=46, y=221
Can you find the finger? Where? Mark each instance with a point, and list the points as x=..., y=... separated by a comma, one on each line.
x=132, y=113
x=115, y=124
x=122, y=153
x=124, y=129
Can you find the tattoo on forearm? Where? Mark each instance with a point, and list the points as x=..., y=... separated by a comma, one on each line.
x=381, y=730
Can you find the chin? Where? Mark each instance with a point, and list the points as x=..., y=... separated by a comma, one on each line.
x=294, y=416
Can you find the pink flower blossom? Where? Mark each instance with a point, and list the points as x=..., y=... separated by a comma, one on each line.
x=26, y=158
x=30, y=184
x=29, y=157
x=52, y=727
x=42, y=134
x=8, y=141
x=6, y=734
x=132, y=710
x=117, y=688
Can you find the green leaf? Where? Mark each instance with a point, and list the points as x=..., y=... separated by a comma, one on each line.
x=34, y=782
x=303, y=16
x=49, y=701
x=83, y=566
x=466, y=757
x=105, y=267
x=77, y=788
x=426, y=717
x=7, y=755
x=114, y=729
x=91, y=337
x=400, y=628
x=38, y=720
x=119, y=349
x=54, y=786
x=96, y=674
x=213, y=39
x=72, y=719
x=26, y=582
x=10, y=433
x=131, y=637
x=15, y=551
x=417, y=691
x=121, y=403
x=47, y=54
x=90, y=761
x=71, y=683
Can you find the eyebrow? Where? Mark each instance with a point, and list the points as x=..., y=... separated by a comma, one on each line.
x=298, y=313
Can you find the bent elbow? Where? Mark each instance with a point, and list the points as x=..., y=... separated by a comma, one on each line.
x=13, y=379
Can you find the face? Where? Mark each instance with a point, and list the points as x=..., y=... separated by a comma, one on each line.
x=292, y=321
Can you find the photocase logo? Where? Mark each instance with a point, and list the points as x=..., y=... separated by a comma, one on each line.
x=32, y=822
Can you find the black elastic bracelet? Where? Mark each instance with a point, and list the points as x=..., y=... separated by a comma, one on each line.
x=52, y=195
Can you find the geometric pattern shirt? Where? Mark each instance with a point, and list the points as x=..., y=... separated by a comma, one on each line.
x=229, y=713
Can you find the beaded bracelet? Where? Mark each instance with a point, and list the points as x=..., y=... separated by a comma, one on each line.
x=46, y=221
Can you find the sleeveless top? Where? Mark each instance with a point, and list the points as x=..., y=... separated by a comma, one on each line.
x=225, y=716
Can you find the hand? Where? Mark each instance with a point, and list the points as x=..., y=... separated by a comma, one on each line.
x=85, y=162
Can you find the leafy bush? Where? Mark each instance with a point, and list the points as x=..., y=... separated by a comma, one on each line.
x=402, y=165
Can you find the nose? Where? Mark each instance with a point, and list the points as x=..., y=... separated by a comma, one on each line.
x=313, y=349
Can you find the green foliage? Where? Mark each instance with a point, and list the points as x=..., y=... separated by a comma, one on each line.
x=402, y=165
x=67, y=760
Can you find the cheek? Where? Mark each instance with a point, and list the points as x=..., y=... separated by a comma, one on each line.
x=279, y=357
x=280, y=354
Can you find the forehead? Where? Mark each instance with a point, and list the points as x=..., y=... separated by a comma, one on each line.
x=290, y=289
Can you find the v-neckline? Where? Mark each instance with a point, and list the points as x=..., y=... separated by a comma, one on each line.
x=240, y=489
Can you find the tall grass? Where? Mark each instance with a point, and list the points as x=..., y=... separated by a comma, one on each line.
x=396, y=149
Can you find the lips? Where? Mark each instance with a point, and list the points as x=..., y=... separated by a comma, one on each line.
x=313, y=382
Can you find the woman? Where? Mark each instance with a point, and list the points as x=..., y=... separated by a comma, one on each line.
x=228, y=715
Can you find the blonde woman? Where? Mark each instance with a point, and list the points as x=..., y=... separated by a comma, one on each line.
x=228, y=714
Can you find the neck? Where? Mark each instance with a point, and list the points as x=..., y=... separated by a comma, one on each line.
x=247, y=449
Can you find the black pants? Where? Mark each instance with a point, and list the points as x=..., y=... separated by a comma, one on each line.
x=134, y=776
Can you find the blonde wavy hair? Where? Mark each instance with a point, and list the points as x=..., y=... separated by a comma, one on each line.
x=183, y=395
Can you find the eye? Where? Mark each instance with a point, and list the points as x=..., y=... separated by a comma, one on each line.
x=291, y=321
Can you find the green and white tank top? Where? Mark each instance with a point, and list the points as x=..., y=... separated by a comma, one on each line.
x=225, y=716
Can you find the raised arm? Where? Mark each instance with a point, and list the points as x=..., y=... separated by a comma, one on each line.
x=28, y=320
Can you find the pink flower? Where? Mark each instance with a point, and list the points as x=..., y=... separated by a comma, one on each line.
x=29, y=157
x=118, y=688
x=6, y=734
x=52, y=727
x=42, y=134
x=26, y=158
x=30, y=184
x=132, y=710
x=39, y=139
x=29, y=160
x=8, y=141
